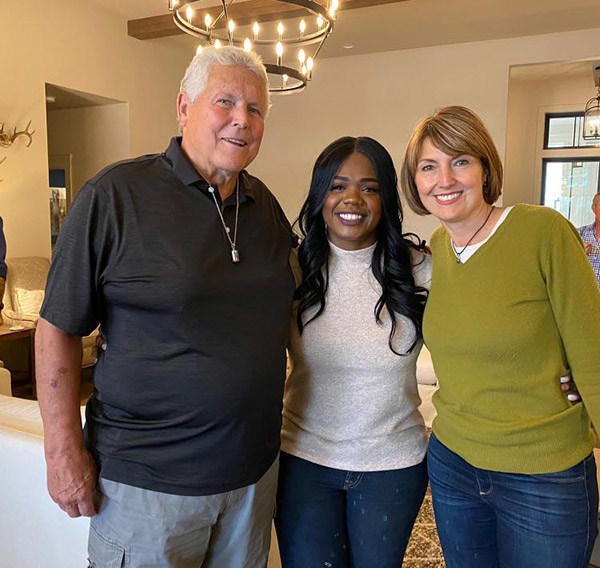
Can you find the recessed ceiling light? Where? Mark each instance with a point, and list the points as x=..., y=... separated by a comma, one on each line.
x=348, y=46
x=50, y=99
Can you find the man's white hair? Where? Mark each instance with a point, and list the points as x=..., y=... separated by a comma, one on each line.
x=196, y=75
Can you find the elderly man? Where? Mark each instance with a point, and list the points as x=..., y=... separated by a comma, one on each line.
x=182, y=258
x=590, y=234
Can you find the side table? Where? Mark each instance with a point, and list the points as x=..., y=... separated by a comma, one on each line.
x=23, y=382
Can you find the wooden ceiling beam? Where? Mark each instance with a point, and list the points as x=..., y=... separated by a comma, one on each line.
x=244, y=13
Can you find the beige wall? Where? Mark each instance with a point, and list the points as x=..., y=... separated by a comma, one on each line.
x=383, y=96
x=94, y=136
x=74, y=44
x=528, y=101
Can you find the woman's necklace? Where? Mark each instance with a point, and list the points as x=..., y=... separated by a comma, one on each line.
x=235, y=254
x=459, y=252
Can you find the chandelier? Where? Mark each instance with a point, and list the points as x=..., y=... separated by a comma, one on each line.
x=591, y=117
x=288, y=50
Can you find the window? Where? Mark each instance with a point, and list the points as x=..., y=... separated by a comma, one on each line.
x=569, y=185
x=570, y=168
x=565, y=131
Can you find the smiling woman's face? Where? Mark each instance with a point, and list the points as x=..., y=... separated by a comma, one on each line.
x=352, y=208
x=450, y=187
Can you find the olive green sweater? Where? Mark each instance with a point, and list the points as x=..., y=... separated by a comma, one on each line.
x=502, y=328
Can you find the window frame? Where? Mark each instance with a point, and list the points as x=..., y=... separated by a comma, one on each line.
x=549, y=116
x=566, y=159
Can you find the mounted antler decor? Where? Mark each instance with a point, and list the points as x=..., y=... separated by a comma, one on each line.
x=7, y=140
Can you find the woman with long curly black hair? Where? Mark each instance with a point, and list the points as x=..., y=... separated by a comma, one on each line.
x=353, y=472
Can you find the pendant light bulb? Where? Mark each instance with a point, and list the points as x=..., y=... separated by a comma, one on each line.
x=207, y=21
x=199, y=49
x=301, y=56
x=247, y=45
x=189, y=13
x=218, y=44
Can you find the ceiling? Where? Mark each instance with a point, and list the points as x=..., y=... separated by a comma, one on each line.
x=420, y=23
x=550, y=71
x=58, y=98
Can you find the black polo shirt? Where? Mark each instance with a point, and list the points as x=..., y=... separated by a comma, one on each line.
x=188, y=393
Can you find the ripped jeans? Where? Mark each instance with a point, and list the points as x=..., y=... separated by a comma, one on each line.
x=331, y=518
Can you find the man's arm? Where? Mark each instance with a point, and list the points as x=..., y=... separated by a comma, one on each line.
x=71, y=471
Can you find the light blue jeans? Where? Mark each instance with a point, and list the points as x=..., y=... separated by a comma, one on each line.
x=489, y=519
x=136, y=527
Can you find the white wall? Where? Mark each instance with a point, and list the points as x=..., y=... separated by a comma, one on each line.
x=95, y=136
x=75, y=44
x=384, y=95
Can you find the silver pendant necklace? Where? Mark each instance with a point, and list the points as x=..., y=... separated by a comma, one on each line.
x=235, y=255
x=457, y=252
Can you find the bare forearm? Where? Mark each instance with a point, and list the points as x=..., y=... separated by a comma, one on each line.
x=58, y=374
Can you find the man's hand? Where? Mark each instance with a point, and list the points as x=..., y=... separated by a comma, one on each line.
x=587, y=247
x=72, y=484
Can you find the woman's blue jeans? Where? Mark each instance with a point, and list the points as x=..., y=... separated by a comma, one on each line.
x=489, y=519
x=331, y=518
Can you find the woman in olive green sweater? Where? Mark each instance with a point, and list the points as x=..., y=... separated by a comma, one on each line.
x=513, y=305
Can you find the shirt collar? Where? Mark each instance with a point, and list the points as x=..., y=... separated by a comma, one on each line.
x=188, y=174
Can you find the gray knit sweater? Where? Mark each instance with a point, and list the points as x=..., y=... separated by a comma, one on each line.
x=350, y=402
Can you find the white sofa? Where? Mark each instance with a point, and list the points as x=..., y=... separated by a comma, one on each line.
x=34, y=532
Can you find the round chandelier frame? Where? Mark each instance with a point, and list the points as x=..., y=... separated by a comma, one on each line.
x=220, y=30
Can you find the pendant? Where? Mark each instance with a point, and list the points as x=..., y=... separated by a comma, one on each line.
x=235, y=255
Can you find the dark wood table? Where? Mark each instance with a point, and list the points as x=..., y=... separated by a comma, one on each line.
x=23, y=383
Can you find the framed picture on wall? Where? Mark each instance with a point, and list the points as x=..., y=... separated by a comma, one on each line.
x=60, y=192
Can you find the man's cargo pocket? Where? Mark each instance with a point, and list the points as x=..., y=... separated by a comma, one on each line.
x=104, y=554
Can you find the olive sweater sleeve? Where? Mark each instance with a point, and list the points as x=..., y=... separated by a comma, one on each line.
x=575, y=301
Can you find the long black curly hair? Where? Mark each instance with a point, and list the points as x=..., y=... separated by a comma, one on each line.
x=391, y=264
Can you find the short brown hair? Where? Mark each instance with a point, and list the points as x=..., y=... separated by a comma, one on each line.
x=454, y=130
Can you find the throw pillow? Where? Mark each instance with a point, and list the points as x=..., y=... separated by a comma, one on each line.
x=28, y=301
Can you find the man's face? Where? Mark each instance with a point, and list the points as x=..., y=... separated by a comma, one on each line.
x=223, y=127
x=596, y=208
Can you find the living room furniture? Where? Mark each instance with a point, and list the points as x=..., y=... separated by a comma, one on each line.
x=24, y=294
x=23, y=383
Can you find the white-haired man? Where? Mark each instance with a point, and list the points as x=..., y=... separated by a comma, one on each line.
x=182, y=258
